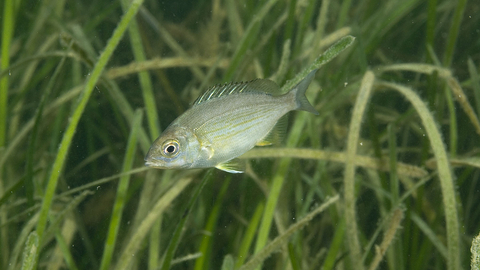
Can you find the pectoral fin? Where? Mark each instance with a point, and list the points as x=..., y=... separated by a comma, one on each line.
x=235, y=165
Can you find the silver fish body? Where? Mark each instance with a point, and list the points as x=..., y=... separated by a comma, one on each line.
x=225, y=122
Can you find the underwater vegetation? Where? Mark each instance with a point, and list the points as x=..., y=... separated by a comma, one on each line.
x=387, y=176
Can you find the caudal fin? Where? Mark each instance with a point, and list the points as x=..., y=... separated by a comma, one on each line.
x=299, y=93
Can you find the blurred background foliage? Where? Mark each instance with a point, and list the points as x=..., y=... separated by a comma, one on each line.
x=86, y=86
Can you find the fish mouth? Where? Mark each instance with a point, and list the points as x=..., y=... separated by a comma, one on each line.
x=157, y=163
x=150, y=161
x=152, y=164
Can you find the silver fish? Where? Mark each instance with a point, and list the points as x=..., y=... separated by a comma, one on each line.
x=225, y=122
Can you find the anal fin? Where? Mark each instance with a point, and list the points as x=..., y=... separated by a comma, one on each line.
x=277, y=134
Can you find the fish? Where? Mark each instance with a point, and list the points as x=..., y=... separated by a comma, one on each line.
x=225, y=122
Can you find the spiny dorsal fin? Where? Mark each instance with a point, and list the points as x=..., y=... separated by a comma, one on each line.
x=264, y=86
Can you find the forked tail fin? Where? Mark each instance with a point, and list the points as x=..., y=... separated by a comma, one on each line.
x=299, y=92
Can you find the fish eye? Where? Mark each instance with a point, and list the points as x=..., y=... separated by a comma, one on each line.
x=170, y=148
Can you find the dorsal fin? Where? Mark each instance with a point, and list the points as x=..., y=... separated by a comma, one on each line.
x=264, y=86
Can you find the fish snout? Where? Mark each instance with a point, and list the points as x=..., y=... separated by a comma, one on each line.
x=151, y=159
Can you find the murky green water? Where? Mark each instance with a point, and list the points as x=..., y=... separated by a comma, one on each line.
x=386, y=176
